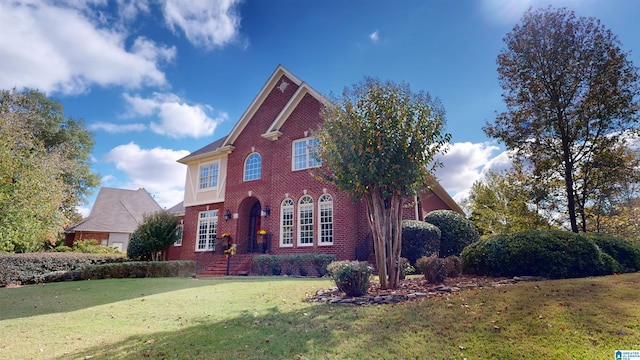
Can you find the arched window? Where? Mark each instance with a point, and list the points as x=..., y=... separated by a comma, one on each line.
x=325, y=209
x=252, y=167
x=286, y=223
x=305, y=221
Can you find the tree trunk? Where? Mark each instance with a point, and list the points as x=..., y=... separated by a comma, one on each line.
x=568, y=180
x=385, y=220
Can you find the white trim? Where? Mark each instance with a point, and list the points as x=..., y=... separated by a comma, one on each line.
x=292, y=207
x=244, y=167
x=320, y=204
x=291, y=105
x=308, y=154
x=210, y=220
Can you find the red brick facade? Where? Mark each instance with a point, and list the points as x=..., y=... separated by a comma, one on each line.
x=278, y=181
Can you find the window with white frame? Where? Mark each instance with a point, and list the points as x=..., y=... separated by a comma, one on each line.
x=207, y=229
x=305, y=221
x=209, y=175
x=304, y=156
x=179, y=231
x=253, y=167
x=325, y=209
x=286, y=223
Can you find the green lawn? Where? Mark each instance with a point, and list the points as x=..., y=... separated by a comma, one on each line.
x=268, y=318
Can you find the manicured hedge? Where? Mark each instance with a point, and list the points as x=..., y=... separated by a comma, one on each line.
x=622, y=250
x=419, y=239
x=351, y=277
x=456, y=231
x=31, y=268
x=296, y=264
x=547, y=253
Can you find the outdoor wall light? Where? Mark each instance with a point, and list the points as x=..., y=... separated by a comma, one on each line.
x=227, y=215
x=267, y=210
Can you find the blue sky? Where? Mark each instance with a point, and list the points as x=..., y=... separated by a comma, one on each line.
x=157, y=79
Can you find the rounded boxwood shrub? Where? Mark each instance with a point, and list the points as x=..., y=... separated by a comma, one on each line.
x=622, y=250
x=137, y=249
x=456, y=231
x=351, y=277
x=419, y=239
x=547, y=253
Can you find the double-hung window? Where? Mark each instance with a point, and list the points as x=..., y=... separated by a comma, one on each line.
x=325, y=208
x=304, y=153
x=286, y=223
x=209, y=175
x=207, y=229
x=179, y=231
x=305, y=221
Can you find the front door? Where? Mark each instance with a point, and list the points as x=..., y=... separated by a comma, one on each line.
x=254, y=226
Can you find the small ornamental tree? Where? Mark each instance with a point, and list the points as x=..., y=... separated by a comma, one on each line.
x=378, y=144
x=156, y=233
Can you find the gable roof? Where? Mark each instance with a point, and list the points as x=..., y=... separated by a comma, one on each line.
x=225, y=145
x=118, y=210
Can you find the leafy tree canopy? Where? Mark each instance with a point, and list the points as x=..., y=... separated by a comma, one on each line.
x=571, y=95
x=156, y=233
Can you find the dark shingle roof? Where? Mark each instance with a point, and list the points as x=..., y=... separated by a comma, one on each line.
x=209, y=148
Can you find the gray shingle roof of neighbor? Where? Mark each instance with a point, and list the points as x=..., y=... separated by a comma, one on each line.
x=118, y=210
x=177, y=208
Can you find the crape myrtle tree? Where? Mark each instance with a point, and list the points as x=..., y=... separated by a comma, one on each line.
x=156, y=233
x=571, y=95
x=378, y=143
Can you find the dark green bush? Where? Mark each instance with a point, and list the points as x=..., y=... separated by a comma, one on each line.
x=33, y=268
x=139, y=269
x=433, y=268
x=138, y=250
x=453, y=266
x=419, y=239
x=547, y=253
x=622, y=250
x=456, y=231
x=295, y=264
x=351, y=277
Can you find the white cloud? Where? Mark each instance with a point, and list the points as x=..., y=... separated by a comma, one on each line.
x=464, y=164
x=210, y=24
x=374, y=36
x=59, y=47
x=116, y=128
x=177, y=118
x=155, y=169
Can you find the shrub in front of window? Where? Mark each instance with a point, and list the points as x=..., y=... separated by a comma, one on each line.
x=419, y=239
x=351, y=277
x=137, y=249
x=456, y=231
x=547, y=253
x=622, y=250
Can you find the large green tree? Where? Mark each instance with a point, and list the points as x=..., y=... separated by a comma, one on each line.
x=572, y=96
x=44, y=119
x=503, y=203
x=378, y=144
x=44, y=170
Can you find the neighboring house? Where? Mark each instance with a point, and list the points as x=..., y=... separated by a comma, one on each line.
x=259, y=178
x=115, y=215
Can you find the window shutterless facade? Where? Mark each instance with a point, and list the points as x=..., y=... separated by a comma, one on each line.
x=305, y=221
x=207, y=229
x=325, y=210
x=303, y=154
x=253, y=167
x=209, y=175
x=286, y=223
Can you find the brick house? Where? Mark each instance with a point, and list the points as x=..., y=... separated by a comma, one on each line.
x=115, y=215
x=259, y=177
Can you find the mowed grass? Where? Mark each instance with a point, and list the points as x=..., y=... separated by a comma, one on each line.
x=268, y=318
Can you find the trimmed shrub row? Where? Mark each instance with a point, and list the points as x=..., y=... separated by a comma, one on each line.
x=131, y=269
x=436, y=269
x=297, y=264
x=547, y=253
x=626, y=254
x=31, y=268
